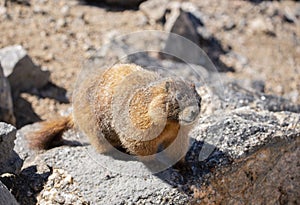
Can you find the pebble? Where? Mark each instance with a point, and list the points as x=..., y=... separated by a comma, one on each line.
x=289, y=15
x=65, y=10
x=154, y=9
x=61, y=23
x=261, y=25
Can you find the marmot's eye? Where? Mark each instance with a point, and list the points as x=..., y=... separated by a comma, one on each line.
x=178, y=96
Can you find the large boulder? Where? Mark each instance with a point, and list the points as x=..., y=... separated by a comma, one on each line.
x=9, y=160
x=268, y=176
x=104, y=179
x=6, y=103
x=81, y=173
x=242, y=130
x=20, y=70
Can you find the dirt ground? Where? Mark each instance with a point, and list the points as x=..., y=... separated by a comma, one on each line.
x=59, y=35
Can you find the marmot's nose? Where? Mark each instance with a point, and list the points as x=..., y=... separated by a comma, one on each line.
x=194, y=112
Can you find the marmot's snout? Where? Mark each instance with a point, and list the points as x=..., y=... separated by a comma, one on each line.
x=189, y=114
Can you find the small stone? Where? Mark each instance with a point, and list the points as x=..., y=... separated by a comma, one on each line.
x=3, y=10
x=260, y=25
x=154, y=9
x=61, y=23
x=229, y=25
x=49, y=57
x=39, y=10
x=65, y=10
x=289, y=15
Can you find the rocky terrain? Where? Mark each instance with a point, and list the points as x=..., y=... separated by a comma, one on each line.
x=245, y=146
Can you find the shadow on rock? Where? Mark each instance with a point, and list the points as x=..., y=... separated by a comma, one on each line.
x=23, y=109
x=24, y=112
x=201, y=160
x=270, y=175
x=214, y=50
x=26, y=186
x=114, y=5
x=51, y=91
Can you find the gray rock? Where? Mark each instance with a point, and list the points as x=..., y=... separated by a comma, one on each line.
x=268, y=176
x=243, y=130
x=6, y=197
x=20, y=70
x=190, y=40
x=154, y=9
x=9, y=160
x=234, y=94
x=100, y=179
x=184, y=24
x=6, y=103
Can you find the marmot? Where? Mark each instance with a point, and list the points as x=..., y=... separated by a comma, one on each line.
x=127, y=106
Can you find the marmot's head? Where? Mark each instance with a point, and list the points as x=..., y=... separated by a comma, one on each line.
x=184, y=103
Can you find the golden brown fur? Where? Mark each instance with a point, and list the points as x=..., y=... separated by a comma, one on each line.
x=50, y=133
x=130, y=107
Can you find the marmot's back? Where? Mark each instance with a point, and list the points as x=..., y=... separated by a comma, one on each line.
x=93, y=101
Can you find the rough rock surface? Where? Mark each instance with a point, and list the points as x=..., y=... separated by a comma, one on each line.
x=20, y=70
x=6, y=197
x=268, y=176
x=6, y=103
x=9, y=160
x=239, y=131
x=98, y=177
x=53, y=190
x=230, y=94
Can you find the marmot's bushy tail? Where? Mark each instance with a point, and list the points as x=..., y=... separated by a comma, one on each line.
x=50, y=133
